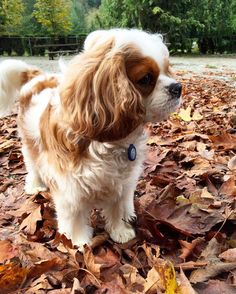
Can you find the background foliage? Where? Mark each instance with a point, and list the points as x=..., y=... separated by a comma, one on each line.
x=209, y=25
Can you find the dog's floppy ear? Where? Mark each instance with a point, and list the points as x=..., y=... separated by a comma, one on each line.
x=99, y=101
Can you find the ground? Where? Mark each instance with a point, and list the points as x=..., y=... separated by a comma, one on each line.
x=185, y=202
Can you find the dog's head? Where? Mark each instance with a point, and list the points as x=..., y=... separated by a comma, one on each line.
x=120, y=81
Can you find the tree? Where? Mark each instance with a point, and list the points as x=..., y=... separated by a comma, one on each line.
x=78, y=13
x=211, y=22
x=10, y=16
x=164, y=16
x=54, y=15
x=30, y=26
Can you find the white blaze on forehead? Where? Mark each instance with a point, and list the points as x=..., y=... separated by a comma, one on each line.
x=150, y=45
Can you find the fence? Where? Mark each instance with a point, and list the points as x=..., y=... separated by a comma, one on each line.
x=36, y=45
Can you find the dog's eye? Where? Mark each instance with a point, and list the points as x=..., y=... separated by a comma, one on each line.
x=146, y=80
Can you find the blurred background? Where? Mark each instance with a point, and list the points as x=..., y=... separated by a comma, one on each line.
x=30, y=27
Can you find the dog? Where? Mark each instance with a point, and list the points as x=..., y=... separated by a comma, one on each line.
x=83, y=130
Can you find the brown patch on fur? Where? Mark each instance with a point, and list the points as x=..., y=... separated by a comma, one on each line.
x=137, y=68
x=32, y=145
x=29, y=75
x=25, y=99
x=99, y=101
x=59, y=142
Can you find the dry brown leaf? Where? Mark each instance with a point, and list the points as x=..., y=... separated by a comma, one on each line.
x=99, y=240
x=153, y=281
x=225, y=140
x=185, y=286
x=228, y=188
x=229, y=255
x=206, y=194
x=90, y=263
x=45, y=266
x=210, y=271
x=39, y=284
x=232, y=163
x=187, y=247
x=77, y=289
x=211, y=251
x=7, y=250
x=29, y=224
x=214, y=287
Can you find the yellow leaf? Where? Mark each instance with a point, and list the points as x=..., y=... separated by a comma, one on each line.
x=197, y=116
x=182, y=200
x=184, y=114
x=168, y=277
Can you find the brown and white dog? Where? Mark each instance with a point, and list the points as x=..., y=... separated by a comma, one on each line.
x=83, y=130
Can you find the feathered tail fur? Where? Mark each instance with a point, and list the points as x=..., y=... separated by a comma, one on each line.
x=13, y=75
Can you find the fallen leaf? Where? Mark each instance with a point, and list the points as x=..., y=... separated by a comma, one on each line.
x=90, y=263
x=153, y=281
x=224, y=140
x=185, y=286
x=197, y=116
x=7, y=250
x=30, y=222
x=232, y=163
x=185, y=114
x=214, y=287
x=210, y=271
x=77, y=289
x=12, y=277
x=187, y=247
x=229, y=255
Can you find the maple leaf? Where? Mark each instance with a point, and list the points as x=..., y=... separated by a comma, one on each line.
x=185, y=115
x=29, y=224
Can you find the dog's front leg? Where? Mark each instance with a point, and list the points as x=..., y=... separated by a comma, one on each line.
x=118, y=215
x=73, y=220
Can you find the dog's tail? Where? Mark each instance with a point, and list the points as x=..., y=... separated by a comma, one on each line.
x=13, y=75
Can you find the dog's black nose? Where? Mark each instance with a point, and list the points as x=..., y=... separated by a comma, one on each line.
x=175, y=90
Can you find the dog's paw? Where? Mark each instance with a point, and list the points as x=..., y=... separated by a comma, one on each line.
x=31, y=190
x=122, y=234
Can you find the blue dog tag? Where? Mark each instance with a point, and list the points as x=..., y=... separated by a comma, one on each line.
x=132, y=153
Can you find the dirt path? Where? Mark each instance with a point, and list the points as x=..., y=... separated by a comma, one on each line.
x=222, y=67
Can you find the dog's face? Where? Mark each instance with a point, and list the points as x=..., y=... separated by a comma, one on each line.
x=120, y=81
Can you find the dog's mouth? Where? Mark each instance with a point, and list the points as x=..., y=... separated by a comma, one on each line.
x=171, y=106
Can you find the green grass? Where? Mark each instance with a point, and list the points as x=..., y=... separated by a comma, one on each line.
x=211, y=66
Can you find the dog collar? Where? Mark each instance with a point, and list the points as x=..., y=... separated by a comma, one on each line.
x=132, y=153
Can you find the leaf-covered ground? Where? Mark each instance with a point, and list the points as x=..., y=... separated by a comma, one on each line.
x=185, y=202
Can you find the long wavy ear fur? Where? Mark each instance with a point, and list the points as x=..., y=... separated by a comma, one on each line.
x=99, y=102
